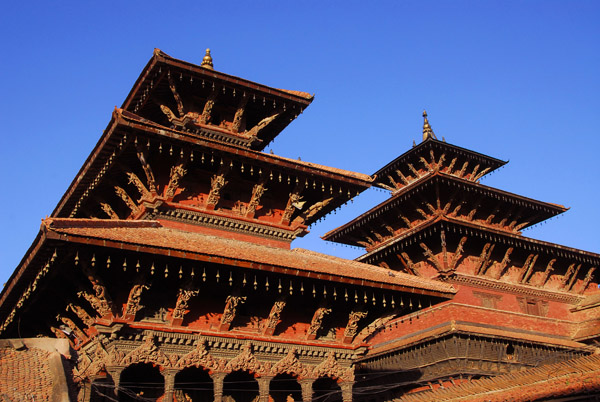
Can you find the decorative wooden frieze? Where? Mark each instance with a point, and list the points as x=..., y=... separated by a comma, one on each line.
x=246, y=361
x=92, y=364
x=231, y=304
x=181, y=305
x=274, y=316
x=199, y=357
x=291, y=365
x=133, y=300
x=352, y=327
x=149, y=352
x=228, y=223
x=331, y=368
x=317, y=322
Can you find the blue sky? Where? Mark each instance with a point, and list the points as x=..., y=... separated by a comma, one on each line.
x=517, y=80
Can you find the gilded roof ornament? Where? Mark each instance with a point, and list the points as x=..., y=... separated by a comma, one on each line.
x=207, y=61
x=427, y=131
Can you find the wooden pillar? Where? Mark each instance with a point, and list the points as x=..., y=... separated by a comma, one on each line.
x=115, y=373
x=169, y=376
x=218, y=386
x=346, y=391
x=263, y=388
x=307, y=389
x=86, y=391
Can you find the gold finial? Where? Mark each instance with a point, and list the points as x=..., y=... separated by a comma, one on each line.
x=207, y=61
x=427, y=131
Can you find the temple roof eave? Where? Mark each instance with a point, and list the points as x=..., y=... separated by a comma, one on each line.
x=312, y=168
x=151, y=237
x=405, y=340
x=578, y=376
x=510, y=238
x=109, y=141
x=55, y=233
x=494, y=163
x=553, y=209
x=161, y=58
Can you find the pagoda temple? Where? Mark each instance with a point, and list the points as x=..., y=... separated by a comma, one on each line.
x=167, y=267
x=520, y=302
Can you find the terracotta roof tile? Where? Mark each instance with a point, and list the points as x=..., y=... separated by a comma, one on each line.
x=152, y=234
x=579, y=375
x=30, y=373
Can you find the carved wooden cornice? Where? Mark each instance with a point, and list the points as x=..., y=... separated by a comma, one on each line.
x=231, y=224
x=515, y=288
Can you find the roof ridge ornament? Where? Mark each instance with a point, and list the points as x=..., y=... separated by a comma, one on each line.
x=207, y=61
x=427, y=131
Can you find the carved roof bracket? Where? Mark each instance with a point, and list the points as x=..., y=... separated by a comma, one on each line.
x=133, y=304
x=317, y=322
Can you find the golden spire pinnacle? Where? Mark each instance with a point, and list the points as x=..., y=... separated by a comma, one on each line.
x=207, y=61
x=427, y=131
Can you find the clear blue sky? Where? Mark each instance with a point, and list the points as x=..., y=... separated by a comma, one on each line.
x=517, y=80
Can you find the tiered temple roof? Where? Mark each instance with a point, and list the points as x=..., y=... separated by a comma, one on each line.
x=170, y=252
x=205, y=167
